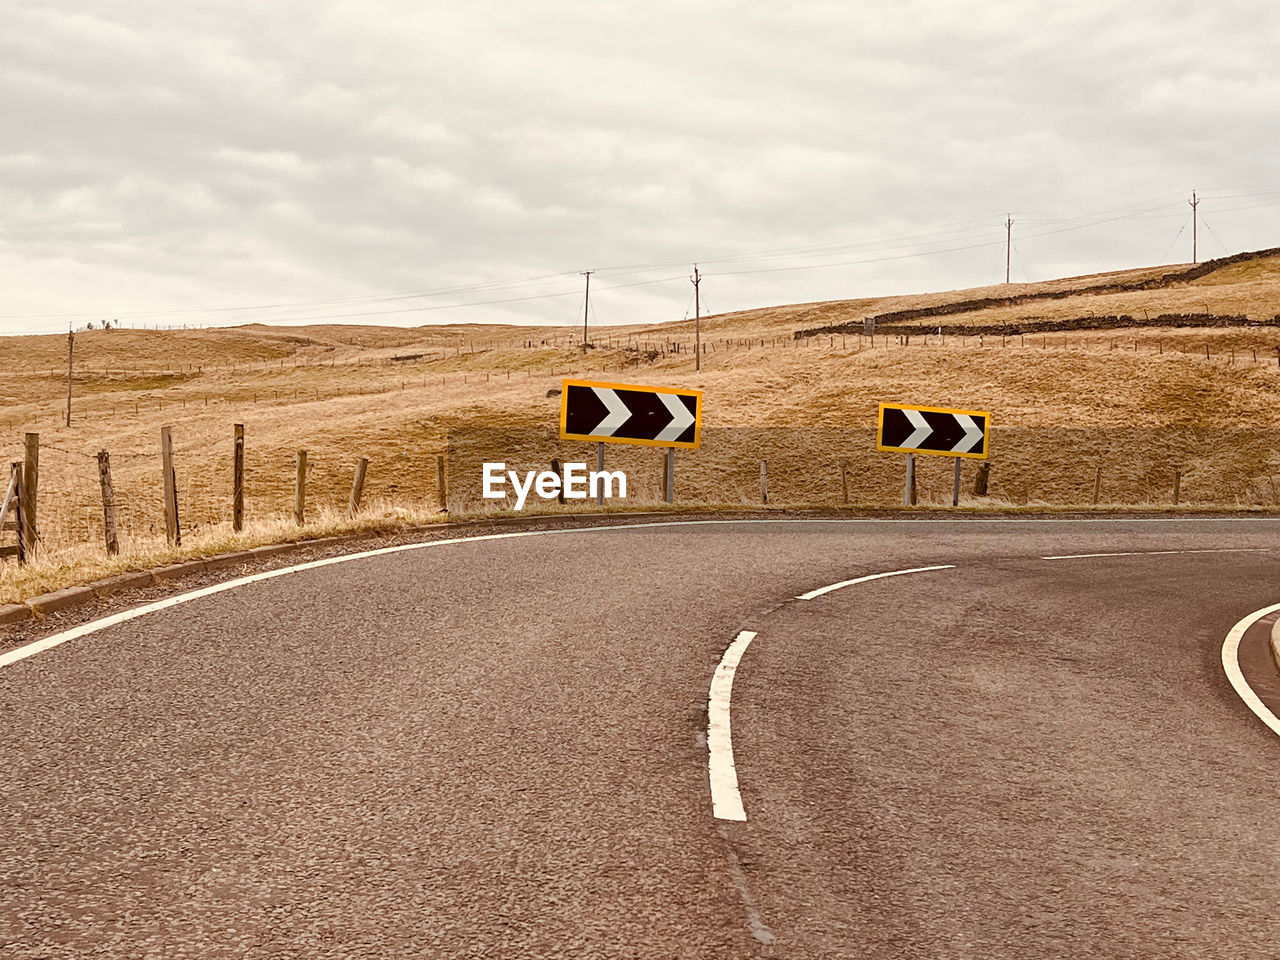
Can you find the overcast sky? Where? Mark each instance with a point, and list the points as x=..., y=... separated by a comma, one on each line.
x=168, y=162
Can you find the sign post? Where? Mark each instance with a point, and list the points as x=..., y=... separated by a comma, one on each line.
x=600, y=468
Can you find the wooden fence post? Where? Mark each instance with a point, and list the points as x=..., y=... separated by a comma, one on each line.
x=981, y=478
x=237, y=481
x=171, y=529
x=764, y=481
x=442, y=488
x=555, y=468
x=13, y=498
x=108, y=503
x=30, y=486
x=357, y=487
x=300, y=490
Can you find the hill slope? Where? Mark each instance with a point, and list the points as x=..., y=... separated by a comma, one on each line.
x=1141, y=401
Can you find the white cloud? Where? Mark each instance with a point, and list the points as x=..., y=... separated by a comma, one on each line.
x=169, y=156
x=282, y=162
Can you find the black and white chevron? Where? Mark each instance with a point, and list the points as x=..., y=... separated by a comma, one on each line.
x=614, y=413
x=932, y=431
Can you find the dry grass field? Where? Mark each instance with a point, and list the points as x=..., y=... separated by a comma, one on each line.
x=1141, y=402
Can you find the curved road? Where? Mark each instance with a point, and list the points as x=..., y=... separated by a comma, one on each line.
x=498, y=748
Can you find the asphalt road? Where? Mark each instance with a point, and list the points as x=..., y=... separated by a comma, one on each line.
x=497, y=748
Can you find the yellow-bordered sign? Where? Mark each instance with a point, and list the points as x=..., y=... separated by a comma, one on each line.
x=936, y=431
x=627, y=413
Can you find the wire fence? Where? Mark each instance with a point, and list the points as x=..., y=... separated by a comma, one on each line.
x=805, y=466
x=99, y=397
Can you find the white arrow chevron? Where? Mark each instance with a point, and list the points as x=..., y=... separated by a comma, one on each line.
x=618, y=412
x=972, y=434
x=922, y=430
x=681, y=418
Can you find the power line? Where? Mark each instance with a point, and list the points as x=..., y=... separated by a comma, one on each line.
x=1021, y=266
x=1215, y=236
x=1186, y=218
x=919, y=242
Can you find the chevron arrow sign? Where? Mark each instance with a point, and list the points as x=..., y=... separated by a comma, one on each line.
x=937, y=430
x=624, y=413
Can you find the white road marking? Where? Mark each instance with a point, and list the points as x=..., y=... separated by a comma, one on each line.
x=726, y=801
x=1157, y=553
x=48, y=643
x=1231, y=665
x=874, y=576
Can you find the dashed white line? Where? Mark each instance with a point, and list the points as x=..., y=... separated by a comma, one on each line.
x=1156, y=553
x=874, y=576
x=1231, y=665
x=726, y=801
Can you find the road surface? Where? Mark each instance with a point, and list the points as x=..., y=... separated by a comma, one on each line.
x=498, y=748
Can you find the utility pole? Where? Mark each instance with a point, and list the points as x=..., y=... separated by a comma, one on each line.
x=697, y=319
x=1008, y=244
x=586, y=308
x=1195, y=202
x=71, y=342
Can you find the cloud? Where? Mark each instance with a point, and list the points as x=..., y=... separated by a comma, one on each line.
x=284, y=163
x=182, y=156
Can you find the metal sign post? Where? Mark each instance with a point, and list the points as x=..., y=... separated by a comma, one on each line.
x=600, y=468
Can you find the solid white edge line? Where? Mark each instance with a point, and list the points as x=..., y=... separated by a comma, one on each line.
x=1157, y=553
x=874, y=576
x=1231, y=665
x=39, y=646
x=726, y=801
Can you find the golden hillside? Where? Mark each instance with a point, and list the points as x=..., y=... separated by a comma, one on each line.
x=1138, y=398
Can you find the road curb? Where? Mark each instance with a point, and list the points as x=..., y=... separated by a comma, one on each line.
x=61, y=599
x=14, y=613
